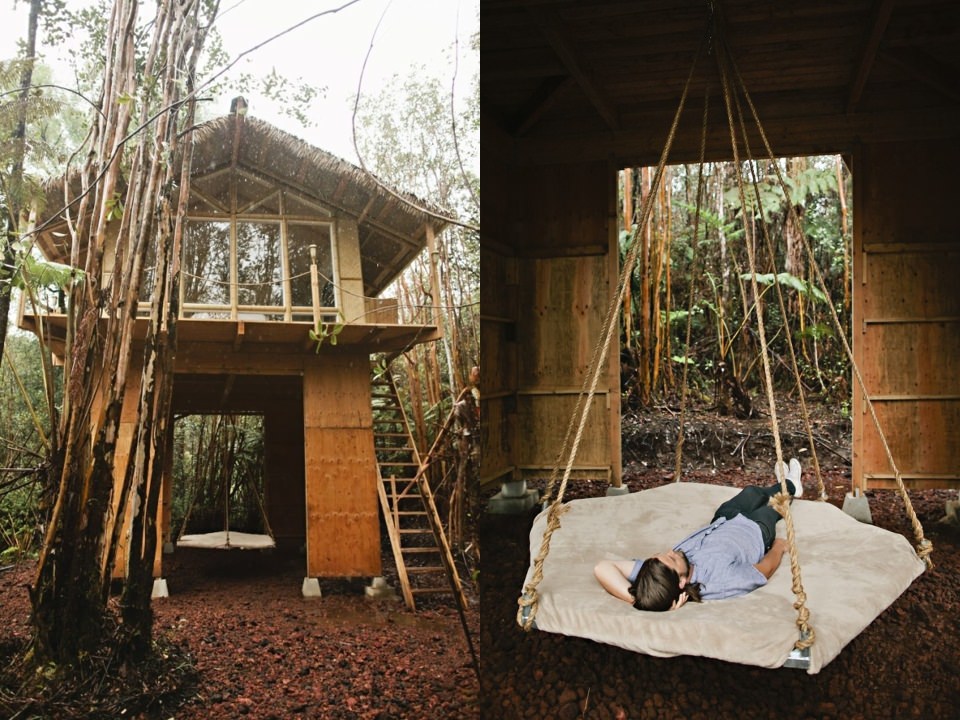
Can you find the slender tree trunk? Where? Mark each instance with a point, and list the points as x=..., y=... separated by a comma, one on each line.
x=628, y=228
x=842, y=192
x=644, y=364
x=14, y=180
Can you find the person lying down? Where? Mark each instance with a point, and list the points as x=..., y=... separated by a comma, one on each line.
x=735, y=554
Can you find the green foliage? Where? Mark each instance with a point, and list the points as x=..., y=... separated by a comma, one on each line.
x=324, y=332
x=715, y=272
x=787, y=280
x=213, y=455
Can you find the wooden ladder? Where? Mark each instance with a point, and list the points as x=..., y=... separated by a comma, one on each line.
x=424, y=562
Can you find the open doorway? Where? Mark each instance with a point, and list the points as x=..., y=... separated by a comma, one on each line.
x=688, y=339
x=219, y=489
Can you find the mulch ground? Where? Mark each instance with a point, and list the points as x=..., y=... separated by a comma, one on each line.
x=904, y=665
x=261, y=650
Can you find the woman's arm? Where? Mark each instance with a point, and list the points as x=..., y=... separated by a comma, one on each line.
x=612, y=574
x=771, y=561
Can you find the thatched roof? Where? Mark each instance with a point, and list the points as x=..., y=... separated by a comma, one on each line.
x=391, y=223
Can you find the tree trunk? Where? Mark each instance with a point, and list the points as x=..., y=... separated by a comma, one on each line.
x=14, y=179
x=70, y=590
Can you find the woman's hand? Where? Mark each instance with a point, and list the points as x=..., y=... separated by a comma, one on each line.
x=680, y=601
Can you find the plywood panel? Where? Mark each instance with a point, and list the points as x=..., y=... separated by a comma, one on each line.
x=342, y=511
x=907, y=283
x=921, y=436
x=343, y=531
x=545, y=418
x=906, y=311
x=560, y=209
x=565, y=300
x=340, y=395
x=917, y=358
x=497, y=426
x=498, y=363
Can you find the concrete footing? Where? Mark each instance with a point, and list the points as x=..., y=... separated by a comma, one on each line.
x=514, y=498
x=159, y=588
x=310, y=588
x=614, y=490
x=379, y=589
x=857, y=507
x=951, y=513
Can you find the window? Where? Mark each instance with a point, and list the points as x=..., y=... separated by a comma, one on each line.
x=252, y=265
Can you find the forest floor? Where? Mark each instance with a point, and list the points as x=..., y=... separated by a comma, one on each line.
x=257, y=649
x=903, y=665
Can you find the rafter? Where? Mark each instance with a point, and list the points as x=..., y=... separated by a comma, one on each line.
x=549, y=25
x=926, y=69
x=542, y=100
x=869, y=54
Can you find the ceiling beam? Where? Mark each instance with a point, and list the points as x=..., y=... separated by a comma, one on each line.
x=788, y=136
x=557, y=38
x=879, y=25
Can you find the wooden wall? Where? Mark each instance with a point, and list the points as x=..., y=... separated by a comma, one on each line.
x=906, y=315
x=549, y=264
x=498, y=363
x=342, y=510
x=284, y=485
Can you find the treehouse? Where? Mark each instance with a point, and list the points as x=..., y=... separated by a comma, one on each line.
x=283, y=238
x=572, y=92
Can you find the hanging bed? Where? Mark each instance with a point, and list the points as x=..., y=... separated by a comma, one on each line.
x=851, y=572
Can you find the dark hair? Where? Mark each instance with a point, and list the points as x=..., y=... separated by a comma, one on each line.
x=657, y=587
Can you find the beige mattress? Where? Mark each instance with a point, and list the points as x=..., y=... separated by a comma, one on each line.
x=223, y=540
x=851, y=573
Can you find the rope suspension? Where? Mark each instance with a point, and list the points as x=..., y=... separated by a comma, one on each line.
x=528, y=601
x=923, y=546
x=782, y=505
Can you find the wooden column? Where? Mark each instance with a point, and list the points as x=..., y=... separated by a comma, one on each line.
x=342, y=515
x=347, y=257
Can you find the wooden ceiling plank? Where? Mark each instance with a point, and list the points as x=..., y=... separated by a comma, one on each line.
x=926, y=70
x=564, y=49
x=879, y=25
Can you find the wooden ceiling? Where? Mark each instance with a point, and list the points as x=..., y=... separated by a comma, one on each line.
x=584, y=80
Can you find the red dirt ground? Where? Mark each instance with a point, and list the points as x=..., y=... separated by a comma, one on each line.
x=906, y=664
x=263, y=651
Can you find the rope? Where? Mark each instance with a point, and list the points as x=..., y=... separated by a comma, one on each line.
x=807, y=634
x=923, y=547
x=694, y=276
x=529, y=601
x=794, y=365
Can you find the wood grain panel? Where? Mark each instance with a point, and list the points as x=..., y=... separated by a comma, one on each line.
x=342, y=511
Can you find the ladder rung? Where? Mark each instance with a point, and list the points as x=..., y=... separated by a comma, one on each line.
x=419, y=550
x=416, y=570
x=416, y=531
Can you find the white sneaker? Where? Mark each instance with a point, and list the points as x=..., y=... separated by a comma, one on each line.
x=792, y=473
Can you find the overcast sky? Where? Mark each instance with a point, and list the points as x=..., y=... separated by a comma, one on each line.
x=327, y=52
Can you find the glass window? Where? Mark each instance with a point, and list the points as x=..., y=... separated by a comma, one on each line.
x=206, y=263
x=300, y=236
x=259, y=264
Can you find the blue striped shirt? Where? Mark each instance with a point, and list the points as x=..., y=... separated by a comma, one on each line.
x=723, y=555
